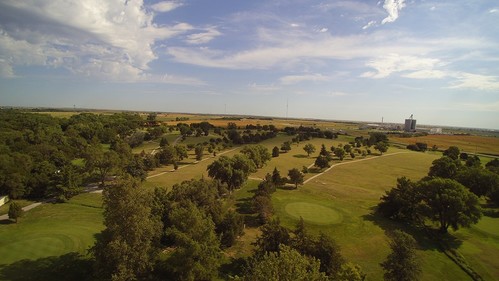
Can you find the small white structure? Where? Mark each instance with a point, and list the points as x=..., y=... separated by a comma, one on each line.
x=436, y=131
x=3, y=200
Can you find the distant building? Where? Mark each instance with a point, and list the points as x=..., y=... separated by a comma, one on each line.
x=410, y=125
x=436, y=131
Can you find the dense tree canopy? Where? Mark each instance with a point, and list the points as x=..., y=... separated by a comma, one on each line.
x=402, y=264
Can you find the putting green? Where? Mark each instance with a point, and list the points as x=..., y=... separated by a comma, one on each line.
x=313, y=213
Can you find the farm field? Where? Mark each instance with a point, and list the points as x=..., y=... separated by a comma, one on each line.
x=470, y=144
x=52, y=230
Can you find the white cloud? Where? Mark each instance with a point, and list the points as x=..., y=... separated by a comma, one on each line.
x=426, y=74
x=338, y=94
x=475, y=81
x=204, y=37
x=108, y=39
x=166, y=6
x=324, y=29
x=294, y=79
x=495, y=10
x=263, y=87
x=386, y=65
x=393, y=7
x=369, y=24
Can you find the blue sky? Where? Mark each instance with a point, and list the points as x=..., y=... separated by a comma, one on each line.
x=341, y=60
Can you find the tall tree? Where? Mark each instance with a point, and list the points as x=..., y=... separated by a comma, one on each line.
x=275, y=151
x=321, y=162
x=287, y=264
x=15, y=211
x=452, y=152
x=402, y=264
x=381, y=146
x=199, y=152
x=444, y=167
x=259, y=154
x=231, y=171
x=309, y=149
x=273, y=235
x=340, y=153
x=295, y=177
x=102, y=163
x=448, y=203
x=126, y=249
x=197, y=254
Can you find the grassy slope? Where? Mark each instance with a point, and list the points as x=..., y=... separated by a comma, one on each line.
x=53, y=230
x=353, y=190
x=480, y=144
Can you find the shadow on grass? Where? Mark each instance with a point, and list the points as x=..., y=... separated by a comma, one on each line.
x=233, y=268
x=7, y=221
x=427, y=238
x=71, y=266
x=300, y=156
x=287, y=187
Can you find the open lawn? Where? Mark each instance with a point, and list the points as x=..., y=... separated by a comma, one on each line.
x=470, y=144
x=349, y=192
x=52, y=230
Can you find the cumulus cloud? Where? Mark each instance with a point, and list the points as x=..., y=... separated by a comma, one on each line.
x=393, y=7
x=108, y=39
x=166, y=6
x=386, y=65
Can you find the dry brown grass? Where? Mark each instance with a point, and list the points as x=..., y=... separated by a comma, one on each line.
x=479, y=144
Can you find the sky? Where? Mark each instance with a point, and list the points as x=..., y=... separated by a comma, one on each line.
x=338, y=60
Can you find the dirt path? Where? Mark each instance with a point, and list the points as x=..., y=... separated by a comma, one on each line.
x=181, y=167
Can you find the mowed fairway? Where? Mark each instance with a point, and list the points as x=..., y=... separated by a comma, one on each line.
x=352, y=191
x=53, y=230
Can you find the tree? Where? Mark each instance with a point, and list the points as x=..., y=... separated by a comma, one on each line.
x=493, y=166
x=231, y=171
x=309, y=149
x=67, y=183
x=381, y=147
x=15, y=211
x=286, y=146
x=103, y=163
x=400, y=202
x=276, y=178
x=339, y=152
x=230, y=228
x=127, y=248
x=444, y=167
x=163, y=142
x=479, y=181
x=321, y=162
x=273, y=235
x=275, y=151
x=259, y=154
x=350, y=272
x=402, y=264
x=287, y=264
x=328, y=252
x=181, y=151
x=452, y=152
x=448, y=203
x=167, y=155
x=295, y=177
x=199, y=150
x=197, y=254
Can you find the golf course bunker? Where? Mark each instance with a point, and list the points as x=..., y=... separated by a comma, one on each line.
x=313, y=213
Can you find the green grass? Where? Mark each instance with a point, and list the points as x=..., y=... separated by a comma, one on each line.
x=352, y=191
x=52, y=230
x=4, y=209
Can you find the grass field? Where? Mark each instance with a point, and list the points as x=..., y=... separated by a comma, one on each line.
x=470, y=144
x=351, y=191
x=4, y=209
x=52, y=230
